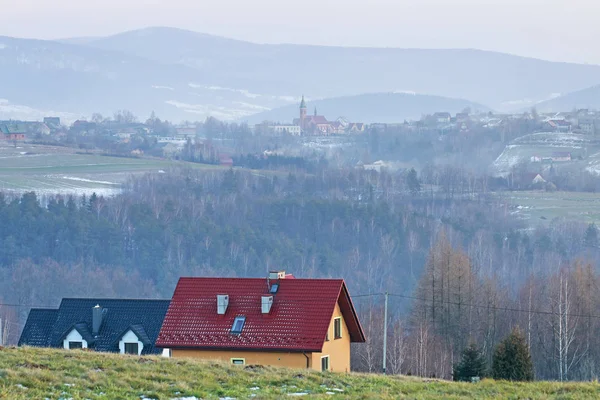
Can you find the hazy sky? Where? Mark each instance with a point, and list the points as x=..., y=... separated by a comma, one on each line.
x=564, y=30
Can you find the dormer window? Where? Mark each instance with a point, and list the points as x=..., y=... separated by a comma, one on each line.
x=238, y=325
x=131, y=348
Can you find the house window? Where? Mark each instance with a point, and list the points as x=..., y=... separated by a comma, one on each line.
x=131, y=348
x=327, y=335
x=274, y=288
x=337, y=328
x=238, y=361
x=325, y=363
x=75, y=345
x=238, y=325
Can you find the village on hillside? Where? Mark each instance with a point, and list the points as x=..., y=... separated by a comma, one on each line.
x=210, y=141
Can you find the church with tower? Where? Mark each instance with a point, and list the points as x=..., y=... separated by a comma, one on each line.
x=316, y=124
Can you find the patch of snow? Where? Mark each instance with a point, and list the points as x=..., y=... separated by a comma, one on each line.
x=186, y=398
x=162, y=87
x=160, y=171
x=255, y=388
x=22, y=112
x=21, y=386
x=405, y=92
x=298, y=394
x=73, y=178
x=227, y=398
x=252, y=106
x=69, y=384
x=222, y=113
x=243, y=92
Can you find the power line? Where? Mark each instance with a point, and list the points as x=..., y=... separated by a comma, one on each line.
x=24, y=305
x=481, y=306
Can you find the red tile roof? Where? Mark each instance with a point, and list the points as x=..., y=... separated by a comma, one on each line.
x=318, y=119
x=299, y=318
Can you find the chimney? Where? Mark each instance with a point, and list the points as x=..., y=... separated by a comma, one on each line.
x=267, y=303
x=222, y=303
x=276, y=275
x=97, y=315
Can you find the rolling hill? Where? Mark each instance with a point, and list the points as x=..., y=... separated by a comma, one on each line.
x=73, y=80
x=34, y=373
x=369, y=108
x=586, y=98
x=501, y=81
x=184, y=75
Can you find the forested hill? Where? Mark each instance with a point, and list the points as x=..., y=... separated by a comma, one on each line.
x=376, y=230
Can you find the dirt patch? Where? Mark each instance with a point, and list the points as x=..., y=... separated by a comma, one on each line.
x=32, y=366
x=254, y=367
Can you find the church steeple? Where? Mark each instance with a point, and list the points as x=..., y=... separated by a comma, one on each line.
x=303, y=103
x=303, y=114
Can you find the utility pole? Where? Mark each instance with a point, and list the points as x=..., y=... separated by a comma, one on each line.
x=385, y=322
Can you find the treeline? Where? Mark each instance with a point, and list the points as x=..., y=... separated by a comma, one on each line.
x=455, y=306
x=376, y=230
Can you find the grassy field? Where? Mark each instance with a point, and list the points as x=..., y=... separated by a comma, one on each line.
x=47, y=169
x=540, y=207
x=28, y=373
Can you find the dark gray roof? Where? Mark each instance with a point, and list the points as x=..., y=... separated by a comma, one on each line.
x=38, y=327
x=143, y=317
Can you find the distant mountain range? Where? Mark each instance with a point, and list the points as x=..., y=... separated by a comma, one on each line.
x=369, y=108
x=586, y=98
x=185, y=75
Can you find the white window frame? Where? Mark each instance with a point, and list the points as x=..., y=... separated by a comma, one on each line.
x=334, y=333
x=328, y=363
x=234, y=359
x=235, y=322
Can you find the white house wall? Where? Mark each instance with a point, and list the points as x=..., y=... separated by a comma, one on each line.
x=130, y=337
x=74, y=336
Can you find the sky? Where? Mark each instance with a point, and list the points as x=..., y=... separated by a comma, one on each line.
x=558, y=30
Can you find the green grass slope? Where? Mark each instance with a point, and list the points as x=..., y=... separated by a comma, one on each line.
x=28, y=373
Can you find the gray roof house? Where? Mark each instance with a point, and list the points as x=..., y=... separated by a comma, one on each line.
x=110, y=325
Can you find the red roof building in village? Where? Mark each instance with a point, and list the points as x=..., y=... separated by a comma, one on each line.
x=278, y=321
x=319, y=125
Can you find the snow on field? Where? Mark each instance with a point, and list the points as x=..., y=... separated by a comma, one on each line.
x=540, y=144
x=162, y=87
x=18, y=111
x=554, y=139
x=243, y=92
x=74, y=178
x=222, y=113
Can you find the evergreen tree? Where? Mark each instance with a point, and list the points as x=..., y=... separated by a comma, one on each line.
x=413, y=181
x=512, y=360
x=591, y=236
x=472, y=364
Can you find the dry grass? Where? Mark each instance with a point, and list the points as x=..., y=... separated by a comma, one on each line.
x=28, y=373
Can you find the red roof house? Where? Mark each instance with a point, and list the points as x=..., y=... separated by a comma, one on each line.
x=299, y=323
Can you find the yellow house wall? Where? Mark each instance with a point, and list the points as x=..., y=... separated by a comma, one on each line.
x=288, y=360
x=338, y=351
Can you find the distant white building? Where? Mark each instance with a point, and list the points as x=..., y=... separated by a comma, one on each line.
x=293, y=130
